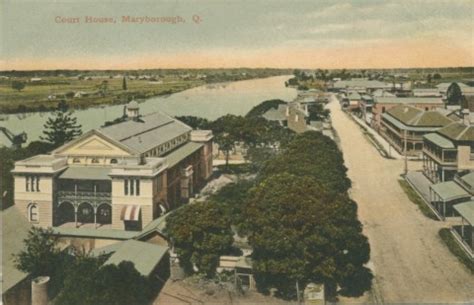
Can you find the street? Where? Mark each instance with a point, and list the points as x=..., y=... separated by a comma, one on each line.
x=410, y=262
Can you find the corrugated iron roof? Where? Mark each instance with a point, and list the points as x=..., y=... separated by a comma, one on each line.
x=15, y=229
x=449, y=190
x=181, y=152
x=86, y=173
x=466, y=210
x=144, y=256
x=458, y=132
x=439, y=140
x=147, y=132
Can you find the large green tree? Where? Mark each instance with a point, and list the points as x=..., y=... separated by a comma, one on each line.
x=200, y=234
x=61, y=128
x=302, y=233
x=88, y=282
x=454, y=94
x=311, y=154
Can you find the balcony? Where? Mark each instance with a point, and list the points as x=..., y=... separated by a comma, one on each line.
x=436, y=156
x=80, y=196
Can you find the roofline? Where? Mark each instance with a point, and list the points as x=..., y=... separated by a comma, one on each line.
x=100, y=134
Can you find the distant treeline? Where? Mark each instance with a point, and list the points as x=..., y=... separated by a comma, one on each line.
x=162, y=72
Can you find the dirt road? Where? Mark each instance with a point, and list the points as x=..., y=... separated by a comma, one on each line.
x=410, y=262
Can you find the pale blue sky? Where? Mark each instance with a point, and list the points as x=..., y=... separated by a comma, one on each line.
x=236, y=33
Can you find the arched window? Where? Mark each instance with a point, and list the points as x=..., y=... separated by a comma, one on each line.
x=95, y=160
x=113, y=161
x=33, y=215
x=76, y=160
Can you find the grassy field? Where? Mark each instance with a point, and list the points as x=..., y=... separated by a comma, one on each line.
x=34, y=97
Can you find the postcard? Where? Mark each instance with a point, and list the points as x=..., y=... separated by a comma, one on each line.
x=236, y=152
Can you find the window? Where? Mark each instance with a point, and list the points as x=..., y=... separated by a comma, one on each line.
x=383, y=109
x=76, y=160
x=132, y=187
x=113, y=161
x=32, y=183
x=95, y=160
x=33, y=212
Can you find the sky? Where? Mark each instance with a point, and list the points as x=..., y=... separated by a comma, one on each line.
x=219, y=33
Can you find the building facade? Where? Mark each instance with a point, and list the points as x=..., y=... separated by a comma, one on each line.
x=404, y=127
x=448, y=151
x=120, y=176
x=383, y=104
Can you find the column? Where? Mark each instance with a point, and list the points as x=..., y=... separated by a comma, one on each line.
x=444, y=210
x=75, y=214
x=95, y=217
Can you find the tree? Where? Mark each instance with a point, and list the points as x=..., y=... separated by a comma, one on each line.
x=200, y=234
x=87, y=282
x=226, y=144
x=61, y=128
x=311, y=154
x=18, y=85
x=428, y=78
x=454, y=94
x=124, y=84
x=437, y=76
x=194, y=122
x=300, y=232
x=42, y=256
x=263, y=107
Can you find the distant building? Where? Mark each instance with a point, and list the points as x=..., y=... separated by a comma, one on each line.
x=406, y=124
x=448, y=151
x=354, y=99
x=429, y=92
x=383, y=104
x=116, y=179
x=361, y=85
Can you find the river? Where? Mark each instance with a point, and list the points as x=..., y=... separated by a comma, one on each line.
x=208, y=101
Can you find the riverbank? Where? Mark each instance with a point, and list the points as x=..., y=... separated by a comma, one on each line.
x=44, y=94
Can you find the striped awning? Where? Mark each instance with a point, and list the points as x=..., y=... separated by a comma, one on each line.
x=130, y=213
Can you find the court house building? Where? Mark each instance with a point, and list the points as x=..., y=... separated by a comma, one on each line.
x=120, y=176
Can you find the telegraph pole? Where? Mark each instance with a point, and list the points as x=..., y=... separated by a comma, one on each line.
x=405, y=150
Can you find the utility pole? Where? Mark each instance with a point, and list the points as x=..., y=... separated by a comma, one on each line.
x=406, y=157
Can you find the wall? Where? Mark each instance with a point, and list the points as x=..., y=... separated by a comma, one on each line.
x=43, y=199
x=464, y=158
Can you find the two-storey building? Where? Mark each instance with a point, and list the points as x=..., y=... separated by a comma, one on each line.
x=120, y=176
x=404, y=126
x=449, y=150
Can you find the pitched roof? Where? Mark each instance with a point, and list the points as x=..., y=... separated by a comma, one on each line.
x=457, y=132
x=147, y=132
x=86, y=173
x=275, y=114
x=466, y=210
x=468, y=179
x=449, y=190
x=362, y=83
x=181, y=152
x=439, y=140
x=408, y=100
x=413, y=116
x=15, y=229
x=144, y=256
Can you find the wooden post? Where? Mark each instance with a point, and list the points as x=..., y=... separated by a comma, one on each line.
x=462, y=227
x=298, y=293
x=444, y=210
x=405, y=149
